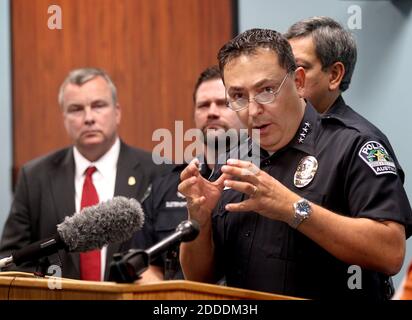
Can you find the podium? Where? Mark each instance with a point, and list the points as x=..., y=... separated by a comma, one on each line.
x=25, y=286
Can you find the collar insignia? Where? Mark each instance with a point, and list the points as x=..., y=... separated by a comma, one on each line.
x=305, y=130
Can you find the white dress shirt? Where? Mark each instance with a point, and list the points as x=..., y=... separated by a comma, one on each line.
x=104, y=180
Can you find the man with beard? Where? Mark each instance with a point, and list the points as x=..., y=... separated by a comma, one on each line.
x=165, y=208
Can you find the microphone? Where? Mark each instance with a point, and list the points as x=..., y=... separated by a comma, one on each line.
x=127, y=267
x=111, y=221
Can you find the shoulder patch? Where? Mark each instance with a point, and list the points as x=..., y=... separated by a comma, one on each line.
x=377, y=158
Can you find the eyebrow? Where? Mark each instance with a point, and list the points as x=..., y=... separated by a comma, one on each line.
x=209, y=101
x=79, y=104
x=99, y=101
x=74, y=104
x=263, y=82
x=258, y=84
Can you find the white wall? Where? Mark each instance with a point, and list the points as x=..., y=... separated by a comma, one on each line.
x=5, y=112
x=381, y=85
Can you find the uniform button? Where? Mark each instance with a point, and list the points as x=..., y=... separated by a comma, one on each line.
x=247, y=234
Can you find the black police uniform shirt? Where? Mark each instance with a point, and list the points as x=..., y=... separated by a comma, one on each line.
x=356, y=177
x=350, y=118
x=164, y=209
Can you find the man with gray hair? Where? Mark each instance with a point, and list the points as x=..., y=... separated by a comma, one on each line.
x=97, y=167
x=327, y=52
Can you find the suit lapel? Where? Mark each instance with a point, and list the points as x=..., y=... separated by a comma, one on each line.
x=128, y=176
x=62, y=182
x=127, y=184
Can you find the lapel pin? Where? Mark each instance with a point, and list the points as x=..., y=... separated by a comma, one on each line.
x=131, y=181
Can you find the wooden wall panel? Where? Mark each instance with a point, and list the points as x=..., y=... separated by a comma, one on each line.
x=153, y=50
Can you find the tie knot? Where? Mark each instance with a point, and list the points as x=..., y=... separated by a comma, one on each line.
x=90, y=171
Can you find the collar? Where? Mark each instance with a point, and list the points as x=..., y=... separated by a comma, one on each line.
x=304, y=139
x=104, y=164
x=337, y=109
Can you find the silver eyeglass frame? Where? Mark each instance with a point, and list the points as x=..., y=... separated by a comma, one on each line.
x=273, y=94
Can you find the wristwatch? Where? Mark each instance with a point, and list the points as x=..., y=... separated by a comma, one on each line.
x=303, y=210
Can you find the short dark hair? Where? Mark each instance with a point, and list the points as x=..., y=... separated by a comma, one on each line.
x=332, y=44
x=251, y=40
x=210, y=73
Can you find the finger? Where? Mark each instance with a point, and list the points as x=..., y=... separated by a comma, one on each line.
x=243, y=206
x=243, y=164
x=191, y=170
x=241, y=173
x=244, y=187
x=220, y=181
x=195, y=202
x=185, y=186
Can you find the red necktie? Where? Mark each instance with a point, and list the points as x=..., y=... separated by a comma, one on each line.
x=89, y=261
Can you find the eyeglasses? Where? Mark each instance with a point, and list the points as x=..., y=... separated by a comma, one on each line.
x=265, y=97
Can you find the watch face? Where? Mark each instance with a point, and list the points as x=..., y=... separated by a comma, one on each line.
x=303, y=208
x=302, y=212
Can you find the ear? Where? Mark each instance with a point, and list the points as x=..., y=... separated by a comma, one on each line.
x=300, y=77
x=118, y=113
x=336, y=73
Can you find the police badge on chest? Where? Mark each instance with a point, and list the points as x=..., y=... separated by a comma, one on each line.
x=305, y=171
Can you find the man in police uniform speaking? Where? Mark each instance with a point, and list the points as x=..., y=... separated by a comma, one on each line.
x=165, y=208
x=326, y=201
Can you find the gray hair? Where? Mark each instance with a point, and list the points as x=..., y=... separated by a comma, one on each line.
x=332, y=43
x=81, y=76
x=251, y=40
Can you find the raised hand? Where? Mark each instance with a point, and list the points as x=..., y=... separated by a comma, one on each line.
x=201, y=194
x=267, y=196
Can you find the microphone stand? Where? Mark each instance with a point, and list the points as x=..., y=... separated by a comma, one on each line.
x=128, y=267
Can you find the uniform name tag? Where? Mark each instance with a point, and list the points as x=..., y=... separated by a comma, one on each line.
x=176, y=204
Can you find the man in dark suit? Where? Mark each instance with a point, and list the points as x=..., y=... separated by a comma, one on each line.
x=52, y=187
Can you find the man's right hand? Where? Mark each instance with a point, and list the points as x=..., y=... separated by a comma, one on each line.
x=201, y=194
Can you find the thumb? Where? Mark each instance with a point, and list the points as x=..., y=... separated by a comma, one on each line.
x=220, y=181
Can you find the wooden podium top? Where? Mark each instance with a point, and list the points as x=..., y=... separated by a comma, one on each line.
x=24, y=286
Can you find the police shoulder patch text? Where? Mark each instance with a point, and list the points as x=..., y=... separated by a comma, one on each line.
x=377, y=158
